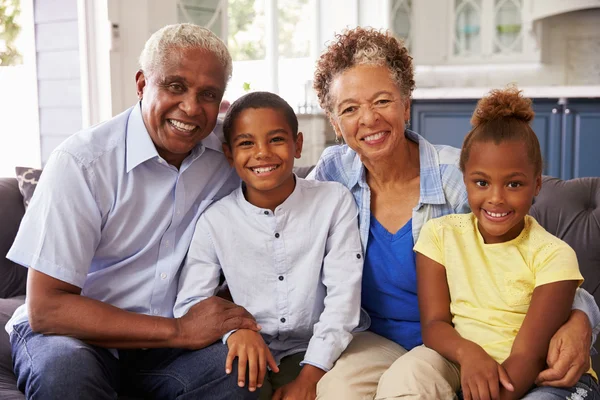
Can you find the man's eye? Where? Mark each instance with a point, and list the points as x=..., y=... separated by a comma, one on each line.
x=210, y=95
x=176, y=87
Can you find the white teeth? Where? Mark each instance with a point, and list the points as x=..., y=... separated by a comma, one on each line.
x=374, y=136
x=262, y=170
x=496, y=215
x=181, y=125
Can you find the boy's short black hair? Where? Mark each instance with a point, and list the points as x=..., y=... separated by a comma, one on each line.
x=259, y=100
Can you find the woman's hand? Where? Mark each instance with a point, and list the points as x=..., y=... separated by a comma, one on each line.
x=304, y=387
x=252, y=351
x=481, y=375
x=569, y=353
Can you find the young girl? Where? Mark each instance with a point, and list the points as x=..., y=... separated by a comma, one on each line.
x=493, y=285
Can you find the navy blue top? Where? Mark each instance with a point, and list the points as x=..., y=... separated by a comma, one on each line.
x=389, y=285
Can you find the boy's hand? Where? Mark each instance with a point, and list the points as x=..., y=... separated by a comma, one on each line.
x=304, y=387
x=481, y=375
x=251, y=350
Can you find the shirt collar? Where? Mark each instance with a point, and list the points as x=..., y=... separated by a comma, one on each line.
x=431, y=188
x=140, y=147
x=289, y=203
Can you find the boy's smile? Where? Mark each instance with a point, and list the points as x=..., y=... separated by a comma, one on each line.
x=262, y=151
x=501, y=183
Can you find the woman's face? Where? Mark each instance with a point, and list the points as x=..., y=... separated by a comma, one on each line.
x=368, y=111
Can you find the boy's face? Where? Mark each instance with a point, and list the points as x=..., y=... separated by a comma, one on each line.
x=501, y=183
x=263, y=149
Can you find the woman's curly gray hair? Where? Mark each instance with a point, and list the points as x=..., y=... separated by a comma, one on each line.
x=360, y=46
x=157, y=48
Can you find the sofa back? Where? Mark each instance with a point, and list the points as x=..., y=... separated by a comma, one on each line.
x=12, y=276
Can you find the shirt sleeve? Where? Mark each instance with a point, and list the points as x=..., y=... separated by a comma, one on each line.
x=557, y=263
x=62, y=227
x=199, y=277
x=342, y=276
x=429, y=243
x=585, y=302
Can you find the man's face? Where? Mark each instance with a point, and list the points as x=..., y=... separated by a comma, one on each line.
x=180, y=101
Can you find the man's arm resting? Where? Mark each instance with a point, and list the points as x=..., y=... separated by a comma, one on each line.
x=57, y=308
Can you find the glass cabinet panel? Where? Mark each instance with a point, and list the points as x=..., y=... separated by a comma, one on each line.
x=508, y=36
x=401, y=18
x=467, y=32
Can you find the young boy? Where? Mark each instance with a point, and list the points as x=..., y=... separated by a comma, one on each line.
x=289, y=249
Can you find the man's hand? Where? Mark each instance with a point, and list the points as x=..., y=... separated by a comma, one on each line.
x=304, y=387
x=251, y=350
x=569, y=353
x=210, y=319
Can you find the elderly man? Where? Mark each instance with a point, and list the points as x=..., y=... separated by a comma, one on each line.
x=107, y=231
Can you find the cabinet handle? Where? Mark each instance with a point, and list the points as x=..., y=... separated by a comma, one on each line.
x=554, y=111
x=567, y=111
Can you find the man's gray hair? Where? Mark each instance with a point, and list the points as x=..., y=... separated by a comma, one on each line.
x=157, y=48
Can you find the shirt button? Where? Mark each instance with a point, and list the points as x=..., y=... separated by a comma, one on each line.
x=167, y=243
x=358, y=256
x=163, y=276
x=277, y=235
x=178, y=212
x=266, y=213
x=280, y=277
x=282, y=320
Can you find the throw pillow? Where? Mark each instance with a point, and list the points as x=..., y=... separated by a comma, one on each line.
x=28, y=179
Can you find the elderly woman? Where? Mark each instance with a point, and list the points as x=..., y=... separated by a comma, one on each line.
x=364, y=82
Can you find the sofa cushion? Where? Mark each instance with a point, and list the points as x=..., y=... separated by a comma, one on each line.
x=28, y=179
x=11, y=211
x=8, y=385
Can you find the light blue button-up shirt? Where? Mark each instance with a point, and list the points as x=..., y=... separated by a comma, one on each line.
x=298, y=270
x=112, y=217
x=442, y=192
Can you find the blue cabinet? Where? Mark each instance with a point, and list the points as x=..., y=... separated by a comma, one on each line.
x=568, y=131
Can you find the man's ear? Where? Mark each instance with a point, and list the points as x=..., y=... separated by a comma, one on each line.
x=299, y=143
x=140, y=83
x=228, y=153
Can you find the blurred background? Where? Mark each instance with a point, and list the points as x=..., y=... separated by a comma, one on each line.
x=69, y=64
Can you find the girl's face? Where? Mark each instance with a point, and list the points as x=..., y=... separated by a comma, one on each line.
x=501, y=183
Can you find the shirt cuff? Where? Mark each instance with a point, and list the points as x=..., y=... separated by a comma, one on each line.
x=585, y=302
x=304, y=362
x=226, y=336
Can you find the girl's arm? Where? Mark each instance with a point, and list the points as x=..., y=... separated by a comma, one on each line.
x=549, y=309
x=480, y=373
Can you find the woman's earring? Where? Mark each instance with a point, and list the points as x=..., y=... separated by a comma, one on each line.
x=339, y=140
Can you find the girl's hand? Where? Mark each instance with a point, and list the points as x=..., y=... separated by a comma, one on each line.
x=481, y=375
x=252, y=351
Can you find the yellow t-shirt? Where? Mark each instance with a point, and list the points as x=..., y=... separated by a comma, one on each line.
x=491, y=284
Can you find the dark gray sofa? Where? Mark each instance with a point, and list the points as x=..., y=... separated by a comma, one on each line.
x=568, y=209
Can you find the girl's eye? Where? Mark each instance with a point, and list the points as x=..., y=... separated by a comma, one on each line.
x=514, y=185
x=481, y=183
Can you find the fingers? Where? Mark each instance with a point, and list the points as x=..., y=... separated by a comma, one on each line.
x=568, y=379
x=252, y=369
x=229, y=361
x=271, y=361
x=505, y=379
x=242, y=366
x=262, y=368
x=278, y=395
x=483, y=390
x=239, y=319
x=556, y=372
x=553, y=352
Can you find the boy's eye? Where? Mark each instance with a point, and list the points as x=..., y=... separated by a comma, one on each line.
x=481, y=183
x=245, y=143
x=278, y=139
x=514, y=185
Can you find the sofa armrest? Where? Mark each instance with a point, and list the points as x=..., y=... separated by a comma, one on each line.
x=13, y=277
